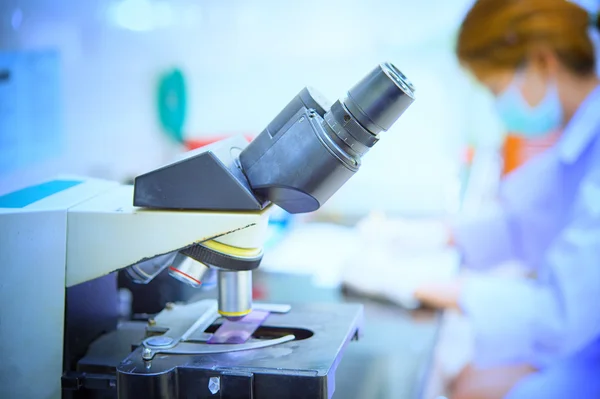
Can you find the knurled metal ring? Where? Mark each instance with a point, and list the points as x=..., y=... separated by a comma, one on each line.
x=352, y=126
x=202, y=254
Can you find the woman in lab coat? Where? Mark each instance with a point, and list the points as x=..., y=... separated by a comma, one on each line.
x=535, y=338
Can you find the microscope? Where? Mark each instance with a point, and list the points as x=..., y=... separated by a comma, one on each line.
x=62, y=243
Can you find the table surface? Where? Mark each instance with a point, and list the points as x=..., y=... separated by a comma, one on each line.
x=392, y=358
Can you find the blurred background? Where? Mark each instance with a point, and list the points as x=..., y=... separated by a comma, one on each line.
x=114, y=88
x=82, y=83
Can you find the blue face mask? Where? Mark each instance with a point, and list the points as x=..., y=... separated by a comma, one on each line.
x=519, y=117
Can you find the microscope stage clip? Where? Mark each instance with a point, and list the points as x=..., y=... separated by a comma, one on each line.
x=192, y=348
x=179, y=340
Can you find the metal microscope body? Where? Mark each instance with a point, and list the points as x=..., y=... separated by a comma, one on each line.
x=61, y=242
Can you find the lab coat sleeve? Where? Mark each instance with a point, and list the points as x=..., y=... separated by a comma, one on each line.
x=536, y=321
x=518, y=228
x=486, y=241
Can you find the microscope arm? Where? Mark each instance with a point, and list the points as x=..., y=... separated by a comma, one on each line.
x=106, y=233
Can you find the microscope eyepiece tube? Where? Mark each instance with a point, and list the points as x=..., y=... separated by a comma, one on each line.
x=370, y=107
x=310, y=149
x=235, y=293
x=379, y=99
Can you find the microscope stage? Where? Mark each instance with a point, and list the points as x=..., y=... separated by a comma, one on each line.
x=303, y=367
